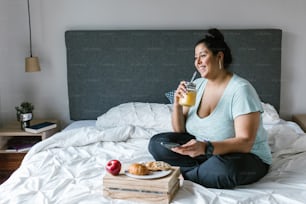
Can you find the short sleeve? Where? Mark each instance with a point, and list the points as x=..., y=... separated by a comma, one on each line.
x=246, y=101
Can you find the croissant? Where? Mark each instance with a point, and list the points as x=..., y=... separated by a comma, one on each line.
x=138, y=169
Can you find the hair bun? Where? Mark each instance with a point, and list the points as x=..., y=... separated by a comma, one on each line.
x=216, y=34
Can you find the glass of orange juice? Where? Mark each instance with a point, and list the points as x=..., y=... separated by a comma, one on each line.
x=189, y=98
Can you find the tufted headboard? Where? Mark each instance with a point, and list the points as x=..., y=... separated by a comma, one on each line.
x=108, y=67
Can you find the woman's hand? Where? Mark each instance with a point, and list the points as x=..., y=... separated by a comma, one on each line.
x=193, y=148
x=180, y=112
x=180, y=92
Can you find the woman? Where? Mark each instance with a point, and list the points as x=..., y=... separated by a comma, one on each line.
x=223, y=142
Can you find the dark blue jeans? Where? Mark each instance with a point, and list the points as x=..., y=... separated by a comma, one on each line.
x=219, y=171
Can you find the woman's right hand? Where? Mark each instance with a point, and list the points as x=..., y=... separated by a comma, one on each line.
x=180, y=92
x=179, y=113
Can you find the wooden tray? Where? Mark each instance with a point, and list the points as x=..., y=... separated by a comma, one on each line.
x=160, y=190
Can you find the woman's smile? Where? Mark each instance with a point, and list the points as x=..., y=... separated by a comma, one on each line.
x=202, y=70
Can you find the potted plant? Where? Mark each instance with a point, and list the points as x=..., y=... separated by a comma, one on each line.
x=25, y=113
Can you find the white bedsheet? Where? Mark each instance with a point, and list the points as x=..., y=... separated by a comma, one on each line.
x=69, y=167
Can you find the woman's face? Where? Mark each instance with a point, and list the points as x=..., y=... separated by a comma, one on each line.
x=205, y=62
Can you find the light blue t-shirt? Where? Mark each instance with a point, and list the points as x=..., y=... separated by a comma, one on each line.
x=239, y=98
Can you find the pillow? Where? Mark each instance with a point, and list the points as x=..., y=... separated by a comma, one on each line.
x=170, y=96
x=270, y=115
x=146, y=115
x=79, y=124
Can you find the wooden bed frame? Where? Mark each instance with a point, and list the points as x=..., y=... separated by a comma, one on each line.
x=108, y=67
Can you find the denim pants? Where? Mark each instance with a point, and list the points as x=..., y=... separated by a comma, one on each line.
x=219, y=171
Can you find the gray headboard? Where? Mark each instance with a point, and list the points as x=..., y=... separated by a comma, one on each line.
x=109, y=67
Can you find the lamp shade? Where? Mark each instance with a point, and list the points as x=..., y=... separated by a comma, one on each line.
x=32, y=64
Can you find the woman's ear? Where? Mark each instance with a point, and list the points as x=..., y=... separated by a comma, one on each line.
x=220, y=55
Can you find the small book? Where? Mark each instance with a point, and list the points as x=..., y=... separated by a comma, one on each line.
x=22, y=143
x=40, y=127
x=20, y=148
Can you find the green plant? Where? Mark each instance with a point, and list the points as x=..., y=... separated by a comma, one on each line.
x=25, y=107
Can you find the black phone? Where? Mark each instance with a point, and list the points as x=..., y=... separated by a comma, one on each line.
x=170, y=145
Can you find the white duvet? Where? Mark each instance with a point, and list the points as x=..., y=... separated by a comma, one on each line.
x=69, y=167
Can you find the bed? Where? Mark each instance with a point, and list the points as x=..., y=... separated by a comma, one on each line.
x=118, y=83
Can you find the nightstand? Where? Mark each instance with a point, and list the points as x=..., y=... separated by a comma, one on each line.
x=10, y=159
x=300, y=119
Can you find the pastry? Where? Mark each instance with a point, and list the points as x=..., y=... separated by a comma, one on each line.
x=138, y=169
x=158, y=166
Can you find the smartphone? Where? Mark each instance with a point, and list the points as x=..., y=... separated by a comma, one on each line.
x=170, y=145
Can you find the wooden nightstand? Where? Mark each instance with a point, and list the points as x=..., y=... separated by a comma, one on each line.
x=300, y=119
x=10, y=159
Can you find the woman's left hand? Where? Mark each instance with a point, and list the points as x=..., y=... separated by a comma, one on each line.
x=193, y=148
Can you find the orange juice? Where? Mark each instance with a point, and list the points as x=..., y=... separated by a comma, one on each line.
x=189, y=98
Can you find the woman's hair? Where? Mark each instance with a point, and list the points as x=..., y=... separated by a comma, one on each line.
x=214, y=41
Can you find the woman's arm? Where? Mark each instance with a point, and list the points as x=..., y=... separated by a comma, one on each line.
x=178, y=118
x=245, y=133
x=179, y=113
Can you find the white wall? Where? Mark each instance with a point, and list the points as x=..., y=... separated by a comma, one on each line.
x=51, y=18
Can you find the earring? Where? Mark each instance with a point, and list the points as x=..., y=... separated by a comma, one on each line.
x=220, y=64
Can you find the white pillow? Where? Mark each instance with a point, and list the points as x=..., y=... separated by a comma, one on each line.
x=281, y=137
x=270, y=115
x=147, y=115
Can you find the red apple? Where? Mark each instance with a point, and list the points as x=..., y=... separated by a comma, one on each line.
x=113, y=167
